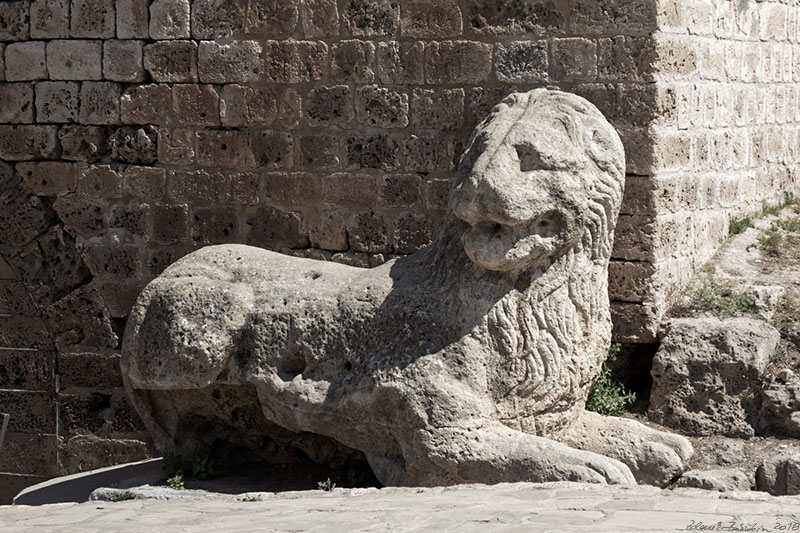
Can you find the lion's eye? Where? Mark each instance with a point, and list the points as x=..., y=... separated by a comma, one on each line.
x=529, y=158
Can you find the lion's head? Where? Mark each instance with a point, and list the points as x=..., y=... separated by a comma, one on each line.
x=542, y=174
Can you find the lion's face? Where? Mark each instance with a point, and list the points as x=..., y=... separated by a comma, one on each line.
x=525, y=185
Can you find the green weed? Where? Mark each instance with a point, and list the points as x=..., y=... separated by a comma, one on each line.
x=326, y=485
x=609, y=396
x=737, y=226
x=709, y=294
x=176, y=482
x=199, y=465
x=122, y=496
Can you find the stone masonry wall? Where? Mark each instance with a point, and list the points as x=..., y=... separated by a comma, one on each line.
x=133, y=132
x=723, y=140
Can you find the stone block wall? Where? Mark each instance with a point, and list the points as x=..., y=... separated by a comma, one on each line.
x=133, y=132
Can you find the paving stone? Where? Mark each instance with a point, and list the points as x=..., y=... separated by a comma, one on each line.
x=320, y=18
x=133, y=19
x=171, y=61
x=99, y=102
x=14, y=21
x=26, y=61
x=16, y=103
x=93, y=19
x=122, y=60
x=49, y=19
x=233, y=62
x=75, y=60
x=170, y=19
x=57, y=101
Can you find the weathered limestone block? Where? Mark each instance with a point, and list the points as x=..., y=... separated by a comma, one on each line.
x=329, y=106
x=455, y=62
x=438, y=109
x=146, y=104
x=522, y=61
x=218, y=19
x=401, y=63
x=237, y=61
x=275, y=19
x=57, y=101
x=92, y=19
x=170, y=19
x=320, y=18
x=171, y=61
x=82, y=143
x=436, y=20
x=706, y=375
x=27, y=142
x=371, y=18
x=122, y=60
x=454, y=364
x=99, y=102
x=26, y=61
x=75, y=60
x=133, y=19
x=574, y=59
x=49, y=19
x=14, y=20
x=196, y=105
x=352, y=61
x=780, y=409
x=241, y=105
x=134, y=145
x=16, y=103
x=512, y=17
x=380, y=107
x=49, y=178
x=780, y=476
x=295, y=61
x=723, y=480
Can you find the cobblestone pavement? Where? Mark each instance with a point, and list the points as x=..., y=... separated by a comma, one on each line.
x=507, y=507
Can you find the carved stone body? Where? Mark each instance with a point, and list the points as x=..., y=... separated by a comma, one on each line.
x=450, y=365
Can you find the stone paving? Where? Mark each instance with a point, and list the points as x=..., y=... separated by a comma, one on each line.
x=507, y=507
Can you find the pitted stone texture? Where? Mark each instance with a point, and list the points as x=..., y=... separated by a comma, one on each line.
x=522, y=61
x=295, y=61
x=82, y=143
x=241, y=105
x=449, y=62
x=218, y=19
x=26, y=61
x=76, y=60
x=781, y=475
x=171, y=61
x=275, y=19
x=418, y=359
x=92, y=19
x=352, y=61
x=439, y=109
x=134, y=145
x=780, y=409
x=380, y=107
x=99, y=102
x=320, y=18
x=14, y=21
x=371, y=18
x=401, y=63
x=49, y=19
x=434, y=20
x=329, y=106
x=122, y=60
x=16, y=103
x=512, y=17
x=170, y=19
x=237, y=61
x=706, y=375
x=723, y=480
x=57, y=101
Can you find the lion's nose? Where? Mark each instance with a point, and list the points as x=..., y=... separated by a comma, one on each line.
x=489, y=198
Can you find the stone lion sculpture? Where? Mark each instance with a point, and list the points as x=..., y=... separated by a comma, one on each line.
x=468, y=361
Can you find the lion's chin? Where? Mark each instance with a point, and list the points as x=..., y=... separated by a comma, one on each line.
x=502, y=249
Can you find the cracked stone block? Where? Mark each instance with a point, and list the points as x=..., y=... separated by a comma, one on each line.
x=453, y=62
x=522, y=62
x=214, y=225
x=241, y=105
x=329, y=106
x=99, y=102
x=122, y=60
x=134, y=145
x=352, y=61
x=49, y=19
x=57, y=101
x=82, y=143
x=400, y=63
x=296, y=61
x=14, y=21
x=371, y=18
x=275, y=19
x=26, y=61
x=320, y=18
x=27, y=142
x=146, y=104
x=75, y=60
x=16, y=103
x=218, y=19
x=171, y=61
x=426, y=19
x=93, y=19
x=170, y=19
x=380, y=107
x=133, y=19
x=234, y=62
x=196, y=105
x=439, y=109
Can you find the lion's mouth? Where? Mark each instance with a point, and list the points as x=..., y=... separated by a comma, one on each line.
x=502, y=247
